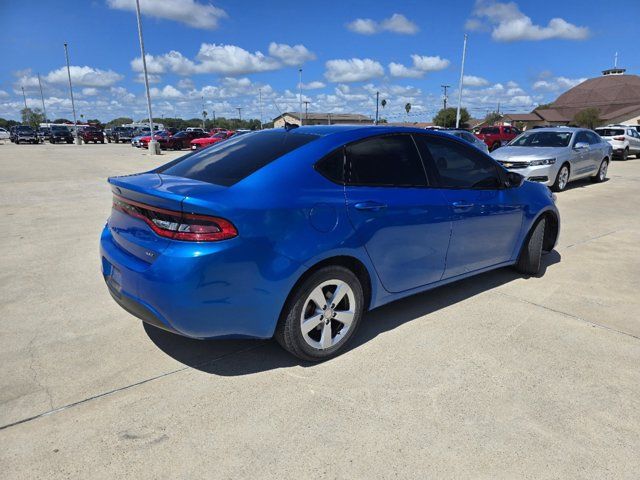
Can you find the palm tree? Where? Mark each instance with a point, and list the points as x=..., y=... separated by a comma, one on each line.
x=407, y=108
x=383, y=103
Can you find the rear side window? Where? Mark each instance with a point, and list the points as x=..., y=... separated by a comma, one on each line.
x=610, y=132
x=389, y=161
x=490, y=131
x=228, y=162
x=332, y=166
x=457, y=165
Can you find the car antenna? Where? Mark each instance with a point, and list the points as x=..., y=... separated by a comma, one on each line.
x=287, y=126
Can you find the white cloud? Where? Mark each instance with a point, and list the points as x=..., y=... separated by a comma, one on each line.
x=83, y=77
x=396, y=23
x=89, y=92
x=189, y=12
x=421, y=65
x=473, y=81
x=352, y=70
x=510, y=24
x=557, y=84
x=315, y=85
x=225, y=60
x=169, y=91
x=290, y=55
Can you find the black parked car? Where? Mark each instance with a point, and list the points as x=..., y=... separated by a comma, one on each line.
x=25, y=134
x=44, y=133
x=60, y=134
x=121, y=134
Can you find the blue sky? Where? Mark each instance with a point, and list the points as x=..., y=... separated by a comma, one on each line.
x=519, y=54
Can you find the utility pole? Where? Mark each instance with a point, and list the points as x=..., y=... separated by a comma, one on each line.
x=203, y=114
x=260, y=104
x=306, y=111
x=73, y=105
x=44, y=110
x=464, y=53
x=444, y=87
x=154, y=148
x=24, y=97
x=377, y=104
x=214, y=117
x=239, y=113
x=300, y=92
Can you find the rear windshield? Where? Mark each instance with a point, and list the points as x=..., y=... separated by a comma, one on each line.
x=59, y=129
x=226, y=163
x=610, y=132
x=542, y=139
x=490, y=130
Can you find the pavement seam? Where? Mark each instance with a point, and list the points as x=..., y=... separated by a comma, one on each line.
x=575, y=317
x=591, y=239
x=126, y=387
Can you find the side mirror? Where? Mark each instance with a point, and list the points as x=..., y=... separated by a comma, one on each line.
x=514, y=180
x=581, y=146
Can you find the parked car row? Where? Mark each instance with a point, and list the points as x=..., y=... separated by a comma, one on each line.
x=192, y=138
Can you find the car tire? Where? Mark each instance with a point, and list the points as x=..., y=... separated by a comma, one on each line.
x=531, y=252
x=495, y=146
x=561, y=181
x=625, y=154
x=602, y=172
x=323, y=336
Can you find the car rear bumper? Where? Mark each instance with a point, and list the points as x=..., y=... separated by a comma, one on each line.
x=229, y=289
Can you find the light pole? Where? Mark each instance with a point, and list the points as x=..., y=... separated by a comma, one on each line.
x=44, y=110
x=154, y=148
x=239, y=113
x=464, y=53
x=260, y=104
x=377, y=104
x=73, y=105
x=203, y=113
x=306, y=111
x=300, y=92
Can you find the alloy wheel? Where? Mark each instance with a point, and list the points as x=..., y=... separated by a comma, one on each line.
x=563, y=177
x=327, y=314
x=602, y=173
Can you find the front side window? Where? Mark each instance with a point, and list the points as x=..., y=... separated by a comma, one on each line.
x=457, y=165
x=581, y=137
x=388, y=161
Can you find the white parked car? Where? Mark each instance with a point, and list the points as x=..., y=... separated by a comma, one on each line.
x=624, y=139
x=4, y=134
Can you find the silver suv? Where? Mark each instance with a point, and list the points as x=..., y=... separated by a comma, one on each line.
x=624, y=139
x=556, y=156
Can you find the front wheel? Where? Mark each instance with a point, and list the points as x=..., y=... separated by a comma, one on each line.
x=322, y=314
x=561, y=179
x=531, y=253
x=625, y=154
x=602, y=172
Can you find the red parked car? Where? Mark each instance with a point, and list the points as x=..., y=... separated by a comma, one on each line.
x=91, y=134
x=207, y=141
x=144, y=141
x=497, y=136
x=180, y=140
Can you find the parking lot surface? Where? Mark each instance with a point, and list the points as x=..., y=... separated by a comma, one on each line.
x=497, y=376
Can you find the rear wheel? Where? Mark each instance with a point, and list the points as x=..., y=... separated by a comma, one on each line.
x=602, y=172
x=322, y=314
x=495, y=146
x=625, y=153
x=531, y=253
x=561, y=179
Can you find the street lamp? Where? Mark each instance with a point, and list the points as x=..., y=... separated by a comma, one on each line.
x=73, y=105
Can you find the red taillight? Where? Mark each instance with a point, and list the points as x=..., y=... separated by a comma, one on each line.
x=177, y=225
x=620, y=139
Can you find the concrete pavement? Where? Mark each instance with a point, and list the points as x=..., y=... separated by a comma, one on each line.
x=496, y=376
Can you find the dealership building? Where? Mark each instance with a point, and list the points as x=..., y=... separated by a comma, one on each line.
x=615, y=95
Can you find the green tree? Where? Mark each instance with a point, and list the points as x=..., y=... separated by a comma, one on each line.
x=32, y=117
x=588, y=118
x=492, y=118
x=446, y=117
x=116, y=122
x=4, y=123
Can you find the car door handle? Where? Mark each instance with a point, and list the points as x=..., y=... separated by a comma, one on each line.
x=370, y=206
x=462, y=205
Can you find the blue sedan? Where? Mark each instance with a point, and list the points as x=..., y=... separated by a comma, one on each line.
x=296, y=233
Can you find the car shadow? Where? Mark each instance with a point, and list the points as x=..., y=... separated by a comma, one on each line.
x=582, y=183
x=243, y=357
